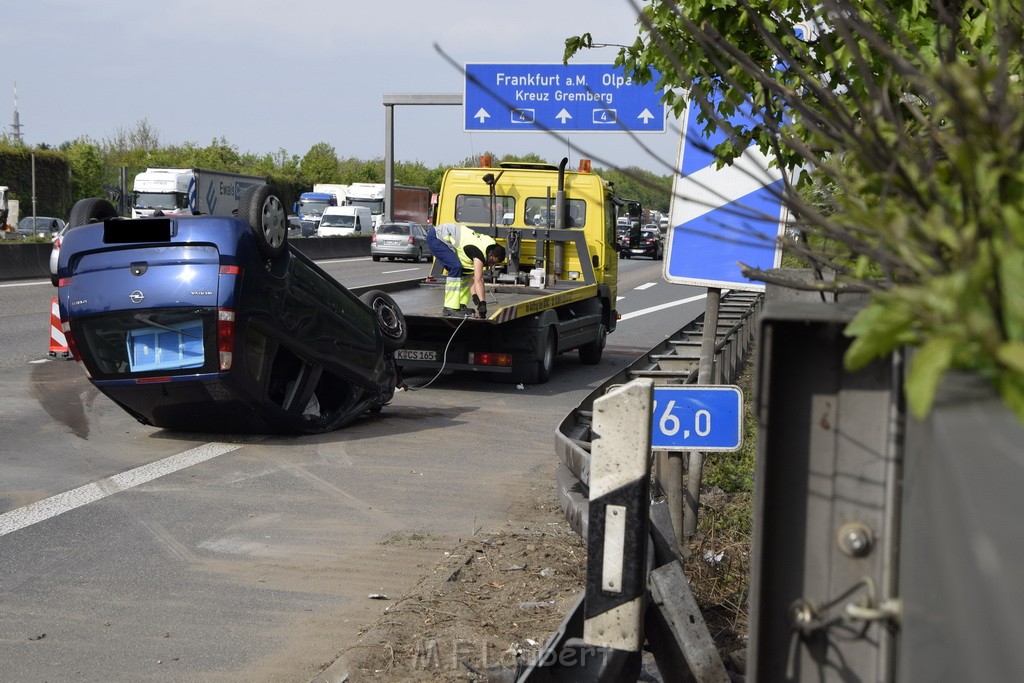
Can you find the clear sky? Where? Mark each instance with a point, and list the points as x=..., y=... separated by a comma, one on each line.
x=268, y=75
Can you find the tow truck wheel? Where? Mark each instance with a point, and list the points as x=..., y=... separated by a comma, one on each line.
x=90, y=210
x=389, y=317
x=261, y=208
x=590, y=354
x=546, y=357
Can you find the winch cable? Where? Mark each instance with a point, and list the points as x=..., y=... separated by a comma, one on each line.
x=444, y=358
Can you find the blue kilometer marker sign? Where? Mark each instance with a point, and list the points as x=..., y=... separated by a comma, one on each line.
x=578, y=98
x=698, y=418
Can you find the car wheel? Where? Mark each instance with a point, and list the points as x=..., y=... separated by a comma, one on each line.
x=391, y=258
x=260, y=207
x=590, y=354
x=375, y=258
x=90, y=210
x=419, y=256
x=389, y=318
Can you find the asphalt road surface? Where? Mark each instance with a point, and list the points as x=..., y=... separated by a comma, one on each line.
x=130, y=553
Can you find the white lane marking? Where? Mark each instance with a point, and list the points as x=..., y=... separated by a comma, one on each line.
x=27, y=284
x=662, y=307
x=343, y=260
x=646, y=285
x=391, y=272
x=69, y=500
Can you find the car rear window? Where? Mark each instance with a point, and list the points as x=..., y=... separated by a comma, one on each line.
x=143, y=343
x=394, y=229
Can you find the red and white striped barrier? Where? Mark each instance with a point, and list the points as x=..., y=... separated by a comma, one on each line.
x=58, y=342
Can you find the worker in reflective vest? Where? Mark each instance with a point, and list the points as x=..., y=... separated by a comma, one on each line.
x=464, y=253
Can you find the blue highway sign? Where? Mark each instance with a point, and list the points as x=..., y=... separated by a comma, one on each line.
x=577, y=98
x=722, y=217
x=697, y=418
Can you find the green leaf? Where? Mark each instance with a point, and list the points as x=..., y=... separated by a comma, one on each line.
x=927, y=366
x=1011, y=279
x=1011, y=391
x=878, y=329
x=1011, y=354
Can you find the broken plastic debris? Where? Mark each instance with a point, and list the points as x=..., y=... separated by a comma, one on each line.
x=712, y=557
x=520, y=386
x=378, y=596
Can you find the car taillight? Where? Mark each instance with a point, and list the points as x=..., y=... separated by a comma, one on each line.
x=503, y=360
x=373, y=238
x=411, y=240
x=225, y=336
x=230, y=270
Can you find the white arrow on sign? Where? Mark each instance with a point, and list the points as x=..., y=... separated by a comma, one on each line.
x=563, y=116
x=482, y=115
x=646, y=115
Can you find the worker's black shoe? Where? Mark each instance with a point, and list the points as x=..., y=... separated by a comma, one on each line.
x=456, y=312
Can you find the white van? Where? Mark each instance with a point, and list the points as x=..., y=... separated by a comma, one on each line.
x=345, y=220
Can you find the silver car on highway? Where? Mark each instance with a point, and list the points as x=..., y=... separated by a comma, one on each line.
x=400, y=239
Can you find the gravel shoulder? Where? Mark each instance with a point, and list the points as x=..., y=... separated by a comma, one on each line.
x=485, y=610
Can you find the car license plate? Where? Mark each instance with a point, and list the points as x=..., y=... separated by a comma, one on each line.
x=415, y=354
x=638, y=251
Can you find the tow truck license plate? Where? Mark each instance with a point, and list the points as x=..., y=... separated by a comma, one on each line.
x=415, y=354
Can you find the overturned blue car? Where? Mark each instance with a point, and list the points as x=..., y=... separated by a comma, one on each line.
x=216, y=324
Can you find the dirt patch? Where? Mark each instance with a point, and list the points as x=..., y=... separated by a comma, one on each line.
x=488, y=608
x=491, y=606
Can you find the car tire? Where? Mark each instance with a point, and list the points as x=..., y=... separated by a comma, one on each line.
x=391, y=258
x=389, y=318
x=375, y=258
x=90, y=210
x=261, y=208
x=419, y=256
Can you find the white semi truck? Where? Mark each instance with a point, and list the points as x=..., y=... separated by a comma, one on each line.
x=410, y=203
x=189, y=191
x=370, y=195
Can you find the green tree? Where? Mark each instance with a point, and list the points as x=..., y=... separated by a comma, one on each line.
x=359, y=171
x=652, y=191
x=87, y=169
x=320, y=164
x=908, y=115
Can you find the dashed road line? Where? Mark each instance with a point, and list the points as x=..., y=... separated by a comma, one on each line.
x=47, y=508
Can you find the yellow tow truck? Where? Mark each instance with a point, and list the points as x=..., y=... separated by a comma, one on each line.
x=555, y=293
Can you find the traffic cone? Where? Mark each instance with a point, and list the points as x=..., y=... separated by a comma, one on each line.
x=58, y=342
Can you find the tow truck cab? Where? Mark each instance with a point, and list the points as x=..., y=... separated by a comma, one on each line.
x=521, y=203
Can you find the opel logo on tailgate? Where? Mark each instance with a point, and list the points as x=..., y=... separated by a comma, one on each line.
x=137, y=297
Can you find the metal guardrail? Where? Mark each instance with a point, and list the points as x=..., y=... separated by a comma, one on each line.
x=600, y=639
x=672, y=362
